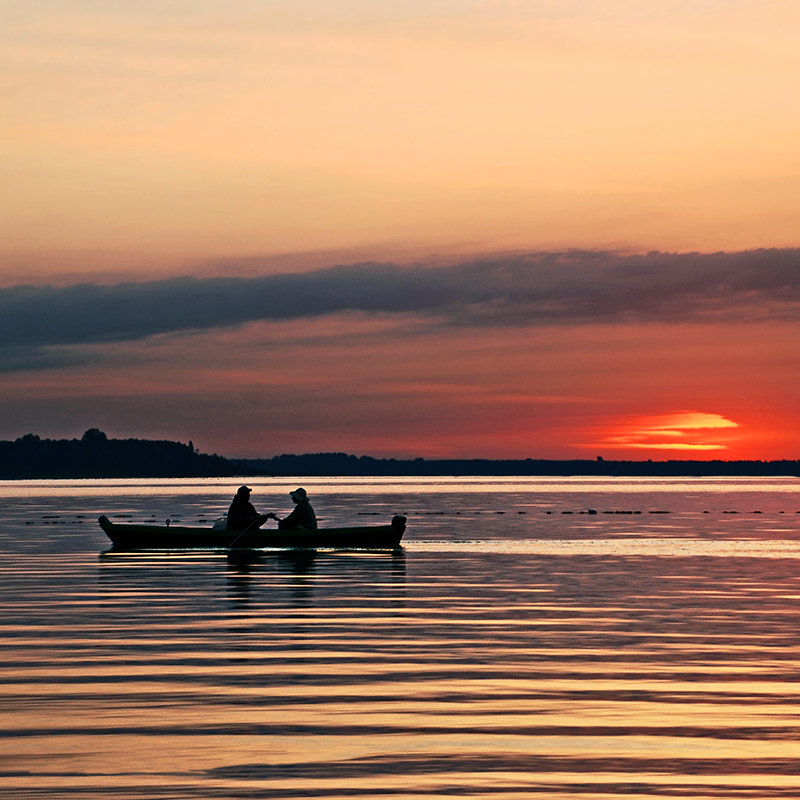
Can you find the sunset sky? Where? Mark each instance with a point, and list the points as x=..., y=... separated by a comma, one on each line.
x=500, y=228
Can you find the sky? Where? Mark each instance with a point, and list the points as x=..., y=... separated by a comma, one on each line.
x=498, y=228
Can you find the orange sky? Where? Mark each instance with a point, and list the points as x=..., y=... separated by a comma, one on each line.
x=148, y=141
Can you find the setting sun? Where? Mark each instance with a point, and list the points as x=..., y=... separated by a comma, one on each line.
x=684, y=430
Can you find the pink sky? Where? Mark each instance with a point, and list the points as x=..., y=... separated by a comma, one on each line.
x=438, y=152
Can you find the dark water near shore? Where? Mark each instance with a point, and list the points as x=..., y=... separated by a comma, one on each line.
x=518, y=646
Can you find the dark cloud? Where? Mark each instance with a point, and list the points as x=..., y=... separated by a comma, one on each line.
x=530, y=289
x=17, y=358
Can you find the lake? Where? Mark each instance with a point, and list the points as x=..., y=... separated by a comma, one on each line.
x=535, y=637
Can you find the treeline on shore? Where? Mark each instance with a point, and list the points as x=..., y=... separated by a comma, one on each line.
x=349, y=465
x=96, y=456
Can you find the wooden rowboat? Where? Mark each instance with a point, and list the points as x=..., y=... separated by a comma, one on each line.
x=128, y=536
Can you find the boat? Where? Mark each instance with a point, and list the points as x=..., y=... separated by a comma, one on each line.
x=132, y=536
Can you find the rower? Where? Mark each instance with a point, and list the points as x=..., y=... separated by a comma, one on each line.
x=242, y=515
x=302, y=516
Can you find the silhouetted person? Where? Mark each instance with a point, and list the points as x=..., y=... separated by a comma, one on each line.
x=242, y=514
x=302, y=515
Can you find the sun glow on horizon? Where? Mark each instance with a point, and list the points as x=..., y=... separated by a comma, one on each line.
x=684, y=430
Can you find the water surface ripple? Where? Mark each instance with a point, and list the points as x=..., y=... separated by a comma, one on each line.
x=518, y=646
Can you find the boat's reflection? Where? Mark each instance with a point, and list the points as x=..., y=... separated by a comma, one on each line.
x=294, y=576
x=300, y=575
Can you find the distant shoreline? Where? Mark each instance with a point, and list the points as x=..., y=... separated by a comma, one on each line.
x=340, y=464
x=96, y=456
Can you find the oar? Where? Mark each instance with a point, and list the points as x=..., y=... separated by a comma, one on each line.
x=244, y=531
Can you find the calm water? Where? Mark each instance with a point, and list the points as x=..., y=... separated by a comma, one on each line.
x=517, y=647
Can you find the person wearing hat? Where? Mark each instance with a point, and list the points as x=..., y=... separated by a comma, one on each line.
x=242, y=515
x=302, y=515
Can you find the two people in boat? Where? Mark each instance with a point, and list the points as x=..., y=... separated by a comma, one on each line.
x=242, y=515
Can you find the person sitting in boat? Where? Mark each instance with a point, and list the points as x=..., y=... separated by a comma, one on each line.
x=242, y=515
x=302, y=516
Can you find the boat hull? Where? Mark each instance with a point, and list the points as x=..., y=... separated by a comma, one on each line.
x=128, y=536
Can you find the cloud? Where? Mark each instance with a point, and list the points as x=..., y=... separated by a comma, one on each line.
x=525, y=289
x=20, y=358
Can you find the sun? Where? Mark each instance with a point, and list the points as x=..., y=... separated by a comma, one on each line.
x=680, y=431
